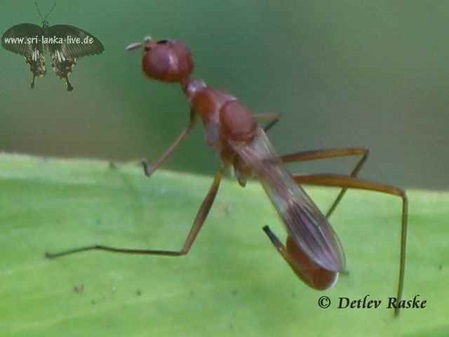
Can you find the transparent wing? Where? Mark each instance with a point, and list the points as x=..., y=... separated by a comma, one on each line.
x=71, y=49
x=305, y=223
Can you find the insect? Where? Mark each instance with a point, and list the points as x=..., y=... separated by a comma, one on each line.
x=312, y=249
x=64, y=44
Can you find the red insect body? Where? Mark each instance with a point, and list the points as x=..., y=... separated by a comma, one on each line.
x=233, y=132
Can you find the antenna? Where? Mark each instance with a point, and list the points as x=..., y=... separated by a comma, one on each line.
x=40, y=13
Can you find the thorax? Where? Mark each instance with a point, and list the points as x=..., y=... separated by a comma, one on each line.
x=227, y=122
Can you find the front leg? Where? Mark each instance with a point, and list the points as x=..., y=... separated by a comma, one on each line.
x=148, y=170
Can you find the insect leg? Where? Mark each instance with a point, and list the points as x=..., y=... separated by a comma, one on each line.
x=201, y=216
x=149, y=170
x=280, y=247
x=351, y=182
x=269, y=117
x=326, y=154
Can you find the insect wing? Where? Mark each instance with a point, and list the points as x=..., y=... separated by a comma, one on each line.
x=72, y=42
x=305, y=223
x=65, y=44
x=23, y=39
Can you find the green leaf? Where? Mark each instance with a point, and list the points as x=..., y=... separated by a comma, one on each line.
x=232, y=283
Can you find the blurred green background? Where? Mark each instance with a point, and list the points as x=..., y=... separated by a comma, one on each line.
x=341, y=73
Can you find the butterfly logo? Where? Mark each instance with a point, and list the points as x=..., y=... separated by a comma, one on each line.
x=63, y=43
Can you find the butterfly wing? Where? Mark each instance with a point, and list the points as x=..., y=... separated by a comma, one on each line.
x=305, y=223
x=19, y=39
x=67, y=43
x=72, y=47
x=25, y=39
